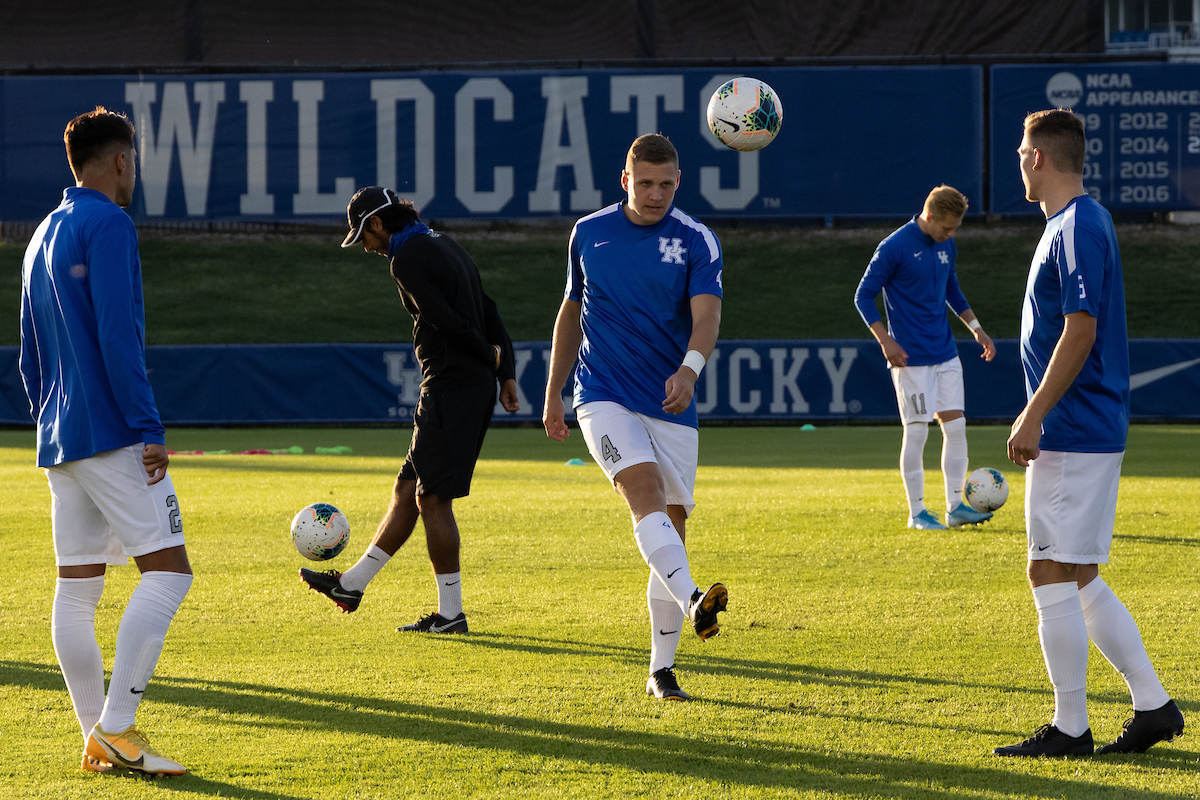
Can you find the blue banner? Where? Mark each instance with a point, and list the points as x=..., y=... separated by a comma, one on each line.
x=761, y=379
x=856, y=141
x=1142, y=126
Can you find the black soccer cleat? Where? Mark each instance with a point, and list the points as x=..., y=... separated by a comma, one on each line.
x=436, y=623
x=327, y=583
x=1147, y=728
x=1050, y=741
x=703, y=610
x=662, y=684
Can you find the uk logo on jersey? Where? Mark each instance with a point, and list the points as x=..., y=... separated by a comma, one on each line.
x=672, y=250
x=943, y=257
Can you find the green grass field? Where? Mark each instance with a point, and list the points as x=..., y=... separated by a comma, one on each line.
x=781, y=282
x=858, y=659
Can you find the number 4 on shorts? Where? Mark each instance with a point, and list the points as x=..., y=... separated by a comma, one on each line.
x=609, y=452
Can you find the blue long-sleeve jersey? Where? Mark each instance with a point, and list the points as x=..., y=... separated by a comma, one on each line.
x=83, y=351
x=916, y=275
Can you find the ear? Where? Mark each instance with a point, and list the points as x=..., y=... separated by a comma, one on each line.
x=625, y=180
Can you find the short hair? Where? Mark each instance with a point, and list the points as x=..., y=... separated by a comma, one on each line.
x=398, y=216
x=1058, y=133
x=652, y=148
x=946, y=201
x=93, y=134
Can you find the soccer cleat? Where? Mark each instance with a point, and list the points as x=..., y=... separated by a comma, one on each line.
x=436, y=623
x=925, y=521
x=662, y=684
x=131, y=750
x=703, y=610
x=965, y=515
x=1147, y=728
x=327, y=583
x=1050, y=741
x=90, y=764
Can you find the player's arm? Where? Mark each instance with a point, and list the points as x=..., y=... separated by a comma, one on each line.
x=985, y=341
x=1068, y=358
x=568, y=336
x=506, y=369
x=706, y=324
x=28, y=363
x=873, y=280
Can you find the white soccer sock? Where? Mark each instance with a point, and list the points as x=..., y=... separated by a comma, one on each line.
x=666, y=624
x=1111, y=627
x=73, y=631
x=954, y=460
x=665, y=554
x=1063, y=635
x=912, y=465
x=364, y=570
x=449, y=588
x=140, y=637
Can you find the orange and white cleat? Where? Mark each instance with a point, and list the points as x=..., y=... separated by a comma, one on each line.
x=129, y=749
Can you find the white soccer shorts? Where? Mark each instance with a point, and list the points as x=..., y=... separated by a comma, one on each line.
x=618, y=438
x=102, y=511
x=1070, y=506
x=923, y=391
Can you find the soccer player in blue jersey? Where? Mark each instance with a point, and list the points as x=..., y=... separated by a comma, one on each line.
x=641, y=315
x=914, y=268
x=100, y=440
x=1071, y=437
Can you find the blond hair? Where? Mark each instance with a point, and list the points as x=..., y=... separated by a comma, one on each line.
x=945, y=202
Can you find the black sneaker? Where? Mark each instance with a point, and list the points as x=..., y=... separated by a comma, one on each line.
x=436, y=623
x=1050, y=741
x=1147, y=728
x=327, y=583
x=703, y=609
x=662, y=684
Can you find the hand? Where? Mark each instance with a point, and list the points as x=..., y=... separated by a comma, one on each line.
x=679, y=388
x=1024, y=439
x=553, y=418
x=154, y=460
x=985, y=341
x=894, y=353
x=508, y=396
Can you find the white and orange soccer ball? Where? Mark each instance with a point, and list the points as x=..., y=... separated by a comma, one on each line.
x=320, y=531
x=745, y=114
x=986, y=489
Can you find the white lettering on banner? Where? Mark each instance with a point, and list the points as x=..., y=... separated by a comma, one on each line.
x=1110, y=81
x=837, y=375
x=175, y=128
x=564, y=100
x=710, y=177
x=710, y=384
x=478, y=202
x=256, y=95
x=781, y=381
x=310, y=199
x=386, y=94
x=523, y=357
x=753, y=361
x=400, y=374
x=647, y=89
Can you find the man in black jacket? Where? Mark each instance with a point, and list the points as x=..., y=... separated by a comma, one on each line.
x=463, y=349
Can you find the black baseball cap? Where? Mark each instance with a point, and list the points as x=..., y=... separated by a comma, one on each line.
x=367, y=202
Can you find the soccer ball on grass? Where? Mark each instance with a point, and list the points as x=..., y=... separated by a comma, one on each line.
x=745, y=114
x=320, y=531
x=986, y=489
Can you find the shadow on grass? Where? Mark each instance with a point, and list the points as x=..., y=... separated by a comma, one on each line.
x=748, y=763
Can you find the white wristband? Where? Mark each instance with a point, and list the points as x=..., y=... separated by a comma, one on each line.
x=974, y=325
x=694, y=360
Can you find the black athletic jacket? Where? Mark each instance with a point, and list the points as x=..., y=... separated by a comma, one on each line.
x=454, y=323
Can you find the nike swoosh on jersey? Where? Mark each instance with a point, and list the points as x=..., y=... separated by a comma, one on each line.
x=1151, y=375
x=599, y=244
x=917, y=255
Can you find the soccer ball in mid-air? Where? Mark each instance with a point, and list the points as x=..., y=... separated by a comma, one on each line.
x=986, y=489
x=320, y=531
x=745, y=114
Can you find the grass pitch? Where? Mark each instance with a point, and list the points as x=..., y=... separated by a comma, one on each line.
x=858, y=658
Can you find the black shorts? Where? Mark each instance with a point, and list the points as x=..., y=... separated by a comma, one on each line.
x=448, y=431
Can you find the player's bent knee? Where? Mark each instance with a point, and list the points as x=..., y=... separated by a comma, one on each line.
x=171, y=559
